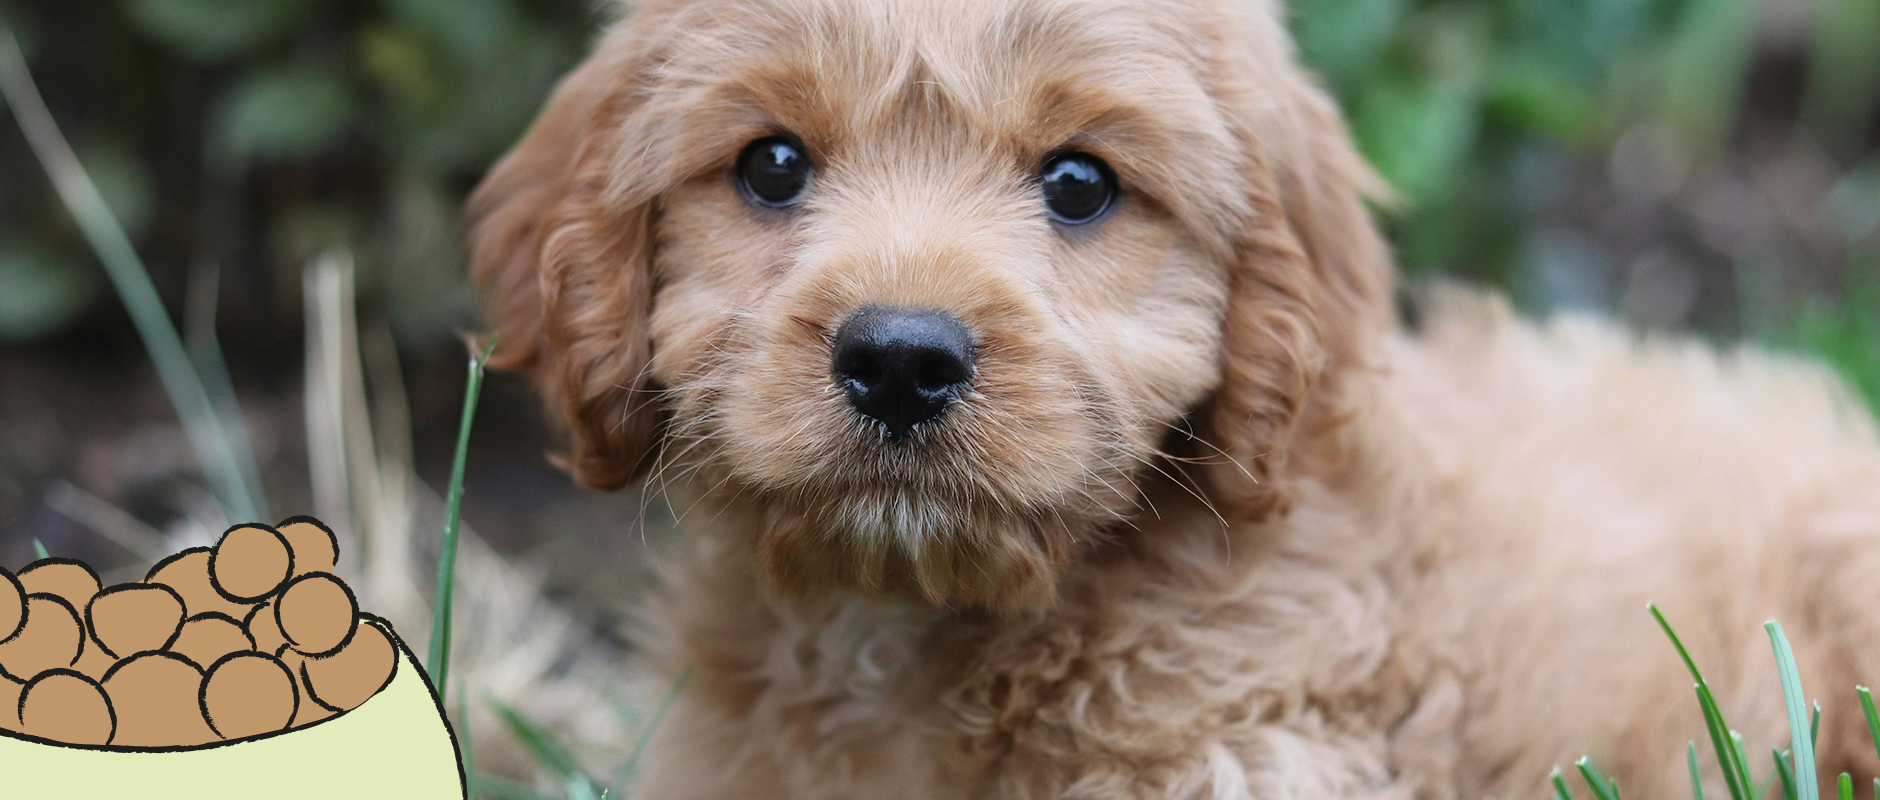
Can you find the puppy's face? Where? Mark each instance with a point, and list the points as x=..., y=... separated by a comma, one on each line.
x=927, y=284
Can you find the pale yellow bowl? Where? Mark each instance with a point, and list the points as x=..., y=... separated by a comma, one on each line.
x=395, y=745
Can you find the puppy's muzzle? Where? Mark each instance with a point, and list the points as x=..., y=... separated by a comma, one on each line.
x=902, y=367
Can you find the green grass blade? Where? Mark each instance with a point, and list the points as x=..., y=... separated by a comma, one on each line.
x=1675, y=642
x=1729, y=755
x=578, y=787
x=1814, y=726
x=39, y=549
x=550, y=754
x=1602, y=789
x=633, y=761
x=1742, y=759
x=1873, y=726
x=1561, y=792
x=1846, y=787
x=500, y=788
x=211, y=441
x=439, y=662
x=1697, y=779
x=1787, y=775
x=1768, y=781
x=1876, y=787
x=469, y=752
x=1733, y=771
x=1800, y=745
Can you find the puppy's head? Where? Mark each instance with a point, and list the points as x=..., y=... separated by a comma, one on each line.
x=933, y=285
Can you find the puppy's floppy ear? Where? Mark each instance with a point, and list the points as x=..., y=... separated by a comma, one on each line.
x=1310, y=280
x=565, y=276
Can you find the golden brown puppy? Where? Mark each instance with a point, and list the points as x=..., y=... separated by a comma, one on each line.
x=1026, y=373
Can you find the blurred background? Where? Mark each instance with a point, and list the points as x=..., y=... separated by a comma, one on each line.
x=291, y=173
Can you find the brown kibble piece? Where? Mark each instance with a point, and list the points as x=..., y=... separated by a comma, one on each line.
x=250, y=563
x=264, y=630
x=206, y=638
x=157, y=699
x=94, y=662
x=354, y=674
x=12, y=605
x=317, y=613
x=52, y=638
x=246, y=694
x=10, y=690
x=134, y=617
x=310, y=710
x=315, y=547
x=70, y=579
x=188, y=573
x=64, y=706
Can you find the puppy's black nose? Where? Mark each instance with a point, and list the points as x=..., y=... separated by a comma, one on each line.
x=902, y=367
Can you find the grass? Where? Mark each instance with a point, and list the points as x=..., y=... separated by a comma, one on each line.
x=1793, y=768
x=549, y=753
x=438, y=664
x=211, y=420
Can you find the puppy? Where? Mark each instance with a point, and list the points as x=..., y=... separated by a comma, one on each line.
x=1026, y=376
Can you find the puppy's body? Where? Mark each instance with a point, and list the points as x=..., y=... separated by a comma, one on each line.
x=1451, y=610
x=1202, y=524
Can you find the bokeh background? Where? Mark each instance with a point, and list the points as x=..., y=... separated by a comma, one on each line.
x=292, y=172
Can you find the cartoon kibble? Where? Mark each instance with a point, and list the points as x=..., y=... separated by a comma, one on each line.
x=317, y=613
x=12, y=605
x=246, y=694
x=250, y=637
x=206, y=638
x=315, y=547
x=52, y=638
x=342, y=681
x=264, y=630
x=188, y=573
x=311, y=710
x=64, y=706
x=134, y=617
x=10, y=691
x=250, y=563
x=155, y=695
x=65, y=577
x=94, y=662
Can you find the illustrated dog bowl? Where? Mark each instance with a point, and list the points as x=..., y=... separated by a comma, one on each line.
x=395, y=745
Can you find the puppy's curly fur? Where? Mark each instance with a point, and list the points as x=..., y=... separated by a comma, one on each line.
x=1207, y=524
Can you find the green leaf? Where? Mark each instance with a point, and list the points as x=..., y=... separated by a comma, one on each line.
x=438, y=663
x=280, y=114
x=549, y=753
x=1727, y=743
x=1787, y=775
x=214, y=29
x=1800, y=746
x=1602, y=789
x=1561, y=792
x=1873, y=719
x=1846, y=787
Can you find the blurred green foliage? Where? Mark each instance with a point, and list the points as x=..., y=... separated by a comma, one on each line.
x=250, y=135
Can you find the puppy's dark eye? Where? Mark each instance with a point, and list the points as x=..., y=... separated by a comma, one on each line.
x=774, y=171
x=1078, y=187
